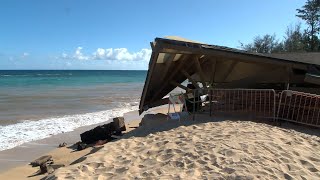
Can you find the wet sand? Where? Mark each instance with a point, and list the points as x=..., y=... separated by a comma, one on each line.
x=27, y=152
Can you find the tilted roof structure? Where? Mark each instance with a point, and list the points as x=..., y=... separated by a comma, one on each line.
x=175, y=60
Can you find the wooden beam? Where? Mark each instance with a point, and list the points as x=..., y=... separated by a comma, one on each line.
x=152, y=44
x=200, y=72
x=179, y=85
x=312, y=78
x=229, y=70
x=182, y=62
x=213, y=68
x=289, y=76
x=248, y=80
x=237, y=55
x=152, y=63
x=167, y=65
x=185, y=73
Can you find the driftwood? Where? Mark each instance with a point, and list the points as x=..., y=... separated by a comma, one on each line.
x=45, y=164
x=46, y=168
x=119, y=125
x=42, y=160
x=62, y=144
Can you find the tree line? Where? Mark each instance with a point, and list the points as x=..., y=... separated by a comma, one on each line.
x=296, y=38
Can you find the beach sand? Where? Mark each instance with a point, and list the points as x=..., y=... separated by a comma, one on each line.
x=208, y=148
x=14, y=162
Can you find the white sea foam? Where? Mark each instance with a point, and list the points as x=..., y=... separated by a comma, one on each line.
x=26, y=131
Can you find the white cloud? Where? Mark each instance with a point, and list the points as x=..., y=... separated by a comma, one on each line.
x=25, y=54
x=78, y=54
x=68, y=64
x=64, y=55
x=120, y=54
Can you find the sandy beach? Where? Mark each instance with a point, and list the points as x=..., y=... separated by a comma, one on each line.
x=208, y=148
x=14, y=162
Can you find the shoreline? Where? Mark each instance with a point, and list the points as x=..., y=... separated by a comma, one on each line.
x=210, y=147
x=18, y=134
x=26, y=152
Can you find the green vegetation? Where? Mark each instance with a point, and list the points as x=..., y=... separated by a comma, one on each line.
x=296, y=39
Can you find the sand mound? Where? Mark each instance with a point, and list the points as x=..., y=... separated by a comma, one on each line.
x=214, y=150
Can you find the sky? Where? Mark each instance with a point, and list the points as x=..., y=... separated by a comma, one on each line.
x=116, y=34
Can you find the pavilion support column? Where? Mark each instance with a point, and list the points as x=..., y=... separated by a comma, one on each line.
x=167, y=65
x=213, y=74
x=185, y=73
x=200, y=72
x=289, y=74
x=182, y=63
x=179, y=85
x=229, y=70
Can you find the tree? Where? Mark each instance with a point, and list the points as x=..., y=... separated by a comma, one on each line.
x=294, y=41
x=265, y=44
x=310, y=13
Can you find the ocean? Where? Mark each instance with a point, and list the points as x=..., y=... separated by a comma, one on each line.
x=35, y=104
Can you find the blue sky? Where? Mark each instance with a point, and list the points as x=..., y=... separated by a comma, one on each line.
x=115, y=34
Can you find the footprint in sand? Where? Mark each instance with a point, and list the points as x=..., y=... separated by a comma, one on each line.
x=178, y=164
x=191, y=155
x=205, y=158
x=178, y=151
x=286, y=155
x=227, y=152
x=191, y=166
x=159, y=172
x=150, y=162
x=125, y=162
x=313, y=159
x=86, y=169
x=164, y=157
x=121, y=170
x=287, y=176
x=228, y=170
x=148, y=174
x=108, y=175
x=96, y=165
x=202, y=162
x=296, y=153
x=284, y=160
x=292, y=167
x=310, y=166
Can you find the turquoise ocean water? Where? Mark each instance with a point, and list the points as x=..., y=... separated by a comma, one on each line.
x=36, y=104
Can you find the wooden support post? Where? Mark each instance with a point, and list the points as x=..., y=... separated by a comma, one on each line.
x=185, y=73
x=167, y=65
x=229, y=70
x=213, y=68
x=289, y=74
x=179, y=85
x=152, y=44
x=200, y=72
x=182, y=63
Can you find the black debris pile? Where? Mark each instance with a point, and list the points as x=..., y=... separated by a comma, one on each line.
x=119, y=125
x=103, y=132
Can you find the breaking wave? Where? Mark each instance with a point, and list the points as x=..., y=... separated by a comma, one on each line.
x=16, y=134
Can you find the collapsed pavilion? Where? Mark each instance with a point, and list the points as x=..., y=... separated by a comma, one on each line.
x=175, y=60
